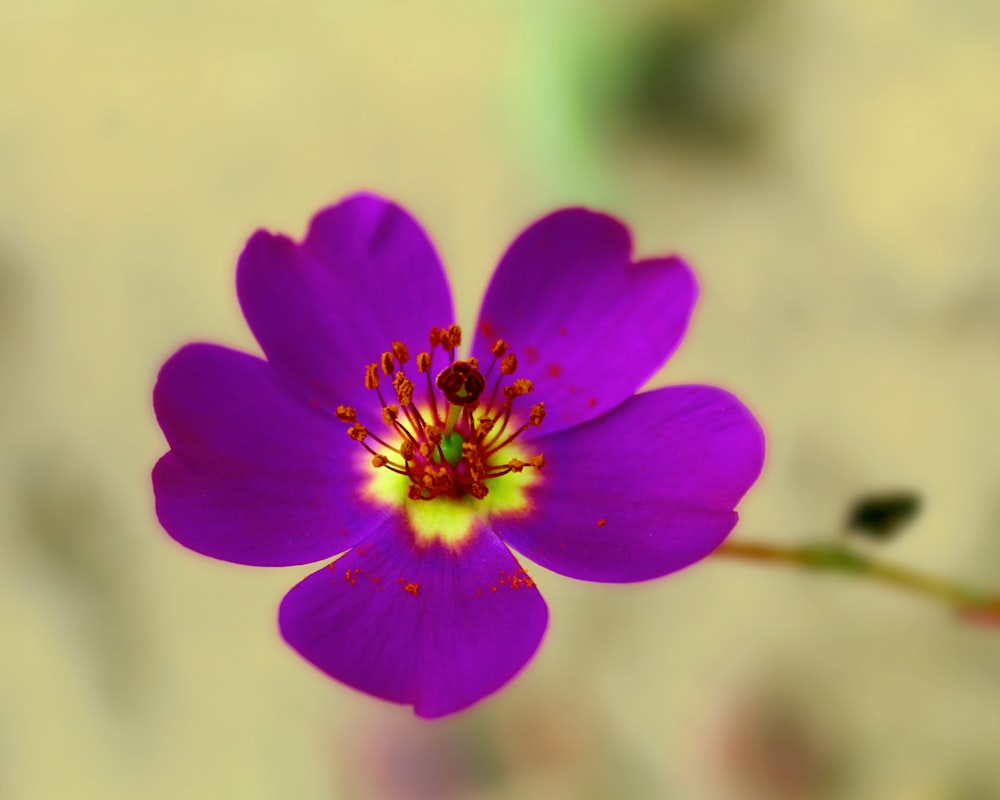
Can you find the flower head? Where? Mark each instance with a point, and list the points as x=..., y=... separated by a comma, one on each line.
x=369, y=428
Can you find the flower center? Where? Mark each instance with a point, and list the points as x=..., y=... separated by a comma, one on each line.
x=454, y=446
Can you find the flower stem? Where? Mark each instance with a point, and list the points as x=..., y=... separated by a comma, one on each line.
x=838, y=558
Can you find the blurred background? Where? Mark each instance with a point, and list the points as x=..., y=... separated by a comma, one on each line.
x=832, y=170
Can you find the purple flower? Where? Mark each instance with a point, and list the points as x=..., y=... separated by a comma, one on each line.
x=365, y=431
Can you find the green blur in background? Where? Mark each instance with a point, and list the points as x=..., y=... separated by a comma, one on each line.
x=832, y=170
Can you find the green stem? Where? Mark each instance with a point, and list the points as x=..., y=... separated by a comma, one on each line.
x=454, y=412
x=837, y=558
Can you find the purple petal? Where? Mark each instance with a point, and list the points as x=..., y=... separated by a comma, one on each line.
x=365, y=276
x=424, y=625
x=253, y=475
x=588, y=326
x=645, y=490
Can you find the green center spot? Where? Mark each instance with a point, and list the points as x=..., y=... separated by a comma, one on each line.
x=451, y=446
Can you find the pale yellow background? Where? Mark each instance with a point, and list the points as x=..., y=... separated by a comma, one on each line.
x=850, y=295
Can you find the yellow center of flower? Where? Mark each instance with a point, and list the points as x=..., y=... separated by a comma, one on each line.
x=458, y=449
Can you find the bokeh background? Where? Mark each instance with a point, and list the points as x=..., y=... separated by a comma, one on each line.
x=832, y=170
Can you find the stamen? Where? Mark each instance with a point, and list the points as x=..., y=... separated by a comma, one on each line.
x=401, y=353
x=387, y=366
x=454, y=452
x=357, y=432
x=404, y=388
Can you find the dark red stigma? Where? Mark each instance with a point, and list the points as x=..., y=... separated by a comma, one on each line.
x=461, y=383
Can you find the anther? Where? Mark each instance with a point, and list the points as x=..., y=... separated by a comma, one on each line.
x=519, y=387
x=387, y=366
x=346, y=414
x=509, y=364
x=404, y=388
x=371, y=376
x=499, y=348
x=537, y=414
x=400, y=352
x=406, y=450
x=435, y=337
x=379, y=460
x=423, y=362
x=390, y=414
x=538, y=461
x=357, y=432
x=516, y=465
x=434, y=434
